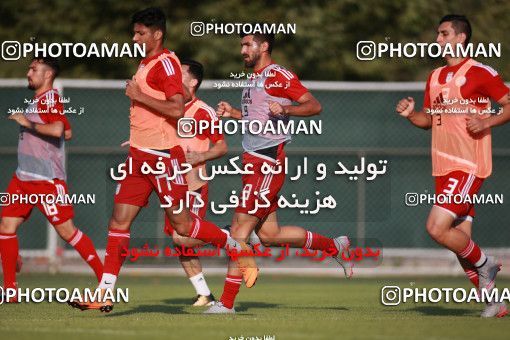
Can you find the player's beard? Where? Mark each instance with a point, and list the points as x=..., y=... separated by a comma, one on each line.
x=250, y=63
x=31, y=86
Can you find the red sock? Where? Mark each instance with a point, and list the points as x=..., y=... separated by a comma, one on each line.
x=473, y=254
x=84, y=246
x=470, y=271
x=472, y=275
x=117, y=241
x=318, y=242
x=230, y=290
x=9, y=249
x=208, y=232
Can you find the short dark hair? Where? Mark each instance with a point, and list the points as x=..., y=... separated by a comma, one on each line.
x=260, y=38
x=152, y=17
x=196, y=69
x=52, y=62
x=460, y=24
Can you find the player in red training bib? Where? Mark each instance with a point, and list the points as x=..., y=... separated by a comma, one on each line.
x=461, y=149
x=269, y=100
x=41, y=173
x=200, y=148
x=157, y=102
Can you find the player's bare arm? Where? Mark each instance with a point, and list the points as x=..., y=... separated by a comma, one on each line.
x=225, y=110
x=172, y=107
x=55, y=129
x=477, y=125
x=405, y=108
x=216, y=151
x=68, y=134
x=307, y=106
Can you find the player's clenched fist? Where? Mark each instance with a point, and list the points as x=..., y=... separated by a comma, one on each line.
x=405, y=106
x=20, y=118
x=276, y=108
x=132, y=89
x=224, y=110
x=194, y=158
x=476, y=125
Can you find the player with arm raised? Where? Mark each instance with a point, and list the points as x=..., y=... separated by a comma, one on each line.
x=268, y=102
x=461, y=148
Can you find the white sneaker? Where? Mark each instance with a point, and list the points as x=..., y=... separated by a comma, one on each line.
x=342, y=244
x=487, y=274
x=497, y=310
x=218, y=308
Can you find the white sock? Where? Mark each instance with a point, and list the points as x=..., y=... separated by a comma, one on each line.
x=481, y=261
x=198, y=281
x=233, y=244
x=107, y=281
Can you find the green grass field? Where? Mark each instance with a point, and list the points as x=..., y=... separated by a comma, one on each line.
x=287, y=307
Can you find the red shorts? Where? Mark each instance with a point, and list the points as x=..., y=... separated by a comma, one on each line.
x=203, y=194
x=56, y=212
x=460, y=184
x=136, y=187
x=258, y=184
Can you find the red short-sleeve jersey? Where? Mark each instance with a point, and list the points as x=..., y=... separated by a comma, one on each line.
x=51, y=109
x=291, y=88
x=166, y=76
x=206, y=113
x=482, y=81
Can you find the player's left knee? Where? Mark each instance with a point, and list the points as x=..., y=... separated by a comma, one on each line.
x=268, y=239
x=183, y=228
x=240, y=232
x=268, y=242
x=65, y=230
x=8, y=227
x=119, y=223
x=436, y=231
x=4, y=229
x=178, y=239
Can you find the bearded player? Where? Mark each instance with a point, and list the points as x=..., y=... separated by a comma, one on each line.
x=268, y=102
x=157, y=102
x=41, y=171
x=461, y=148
